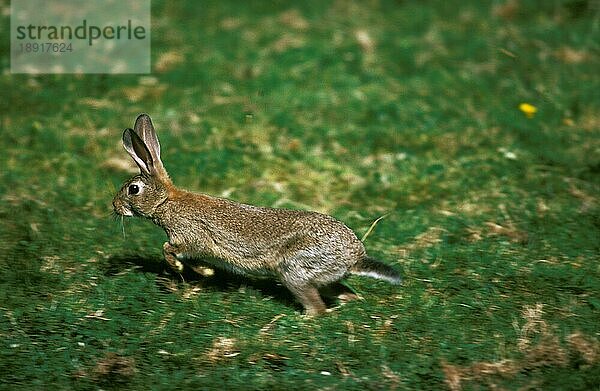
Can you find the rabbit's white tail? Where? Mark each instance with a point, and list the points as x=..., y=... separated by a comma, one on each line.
x=371, y=267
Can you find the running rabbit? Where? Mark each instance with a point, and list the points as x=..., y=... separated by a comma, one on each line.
x=304, y=250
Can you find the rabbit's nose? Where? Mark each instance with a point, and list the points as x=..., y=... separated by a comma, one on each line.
x=120, y=208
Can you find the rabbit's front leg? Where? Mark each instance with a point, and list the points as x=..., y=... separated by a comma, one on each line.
x=170, y=253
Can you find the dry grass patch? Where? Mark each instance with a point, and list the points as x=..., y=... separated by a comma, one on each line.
x=222, y=348
x=539, y=347
x=587, y=347
x=456, y=376
x=294, y=19
x=112, y=368
x=168, y=60
x=431, y=237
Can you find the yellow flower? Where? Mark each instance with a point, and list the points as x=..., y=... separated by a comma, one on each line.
x=528, y=109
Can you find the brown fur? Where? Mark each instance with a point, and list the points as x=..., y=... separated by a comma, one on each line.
x=304, y=250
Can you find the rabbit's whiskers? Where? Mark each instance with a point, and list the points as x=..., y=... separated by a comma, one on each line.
x=121, y=217
x=123, y=225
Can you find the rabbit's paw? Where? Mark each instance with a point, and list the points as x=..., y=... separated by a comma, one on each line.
x=170, y=253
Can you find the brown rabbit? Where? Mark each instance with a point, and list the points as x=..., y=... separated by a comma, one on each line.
x=304, y=250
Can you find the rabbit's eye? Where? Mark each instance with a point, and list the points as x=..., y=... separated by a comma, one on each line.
x=133, y=189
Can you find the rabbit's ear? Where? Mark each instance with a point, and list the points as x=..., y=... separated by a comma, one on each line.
x=144, y=128
x=136, y=147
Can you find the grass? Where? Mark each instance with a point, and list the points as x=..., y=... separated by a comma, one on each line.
x=356, y=109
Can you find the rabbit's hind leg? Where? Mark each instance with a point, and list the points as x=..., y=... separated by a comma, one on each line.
x=340, y=291
x=308, y=296
x=307, y=270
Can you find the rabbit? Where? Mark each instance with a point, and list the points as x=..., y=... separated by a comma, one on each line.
x=304, y=250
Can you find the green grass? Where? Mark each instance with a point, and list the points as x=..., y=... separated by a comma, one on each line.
x=356, y=109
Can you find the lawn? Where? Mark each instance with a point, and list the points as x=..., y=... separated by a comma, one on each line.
x=410, y=110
